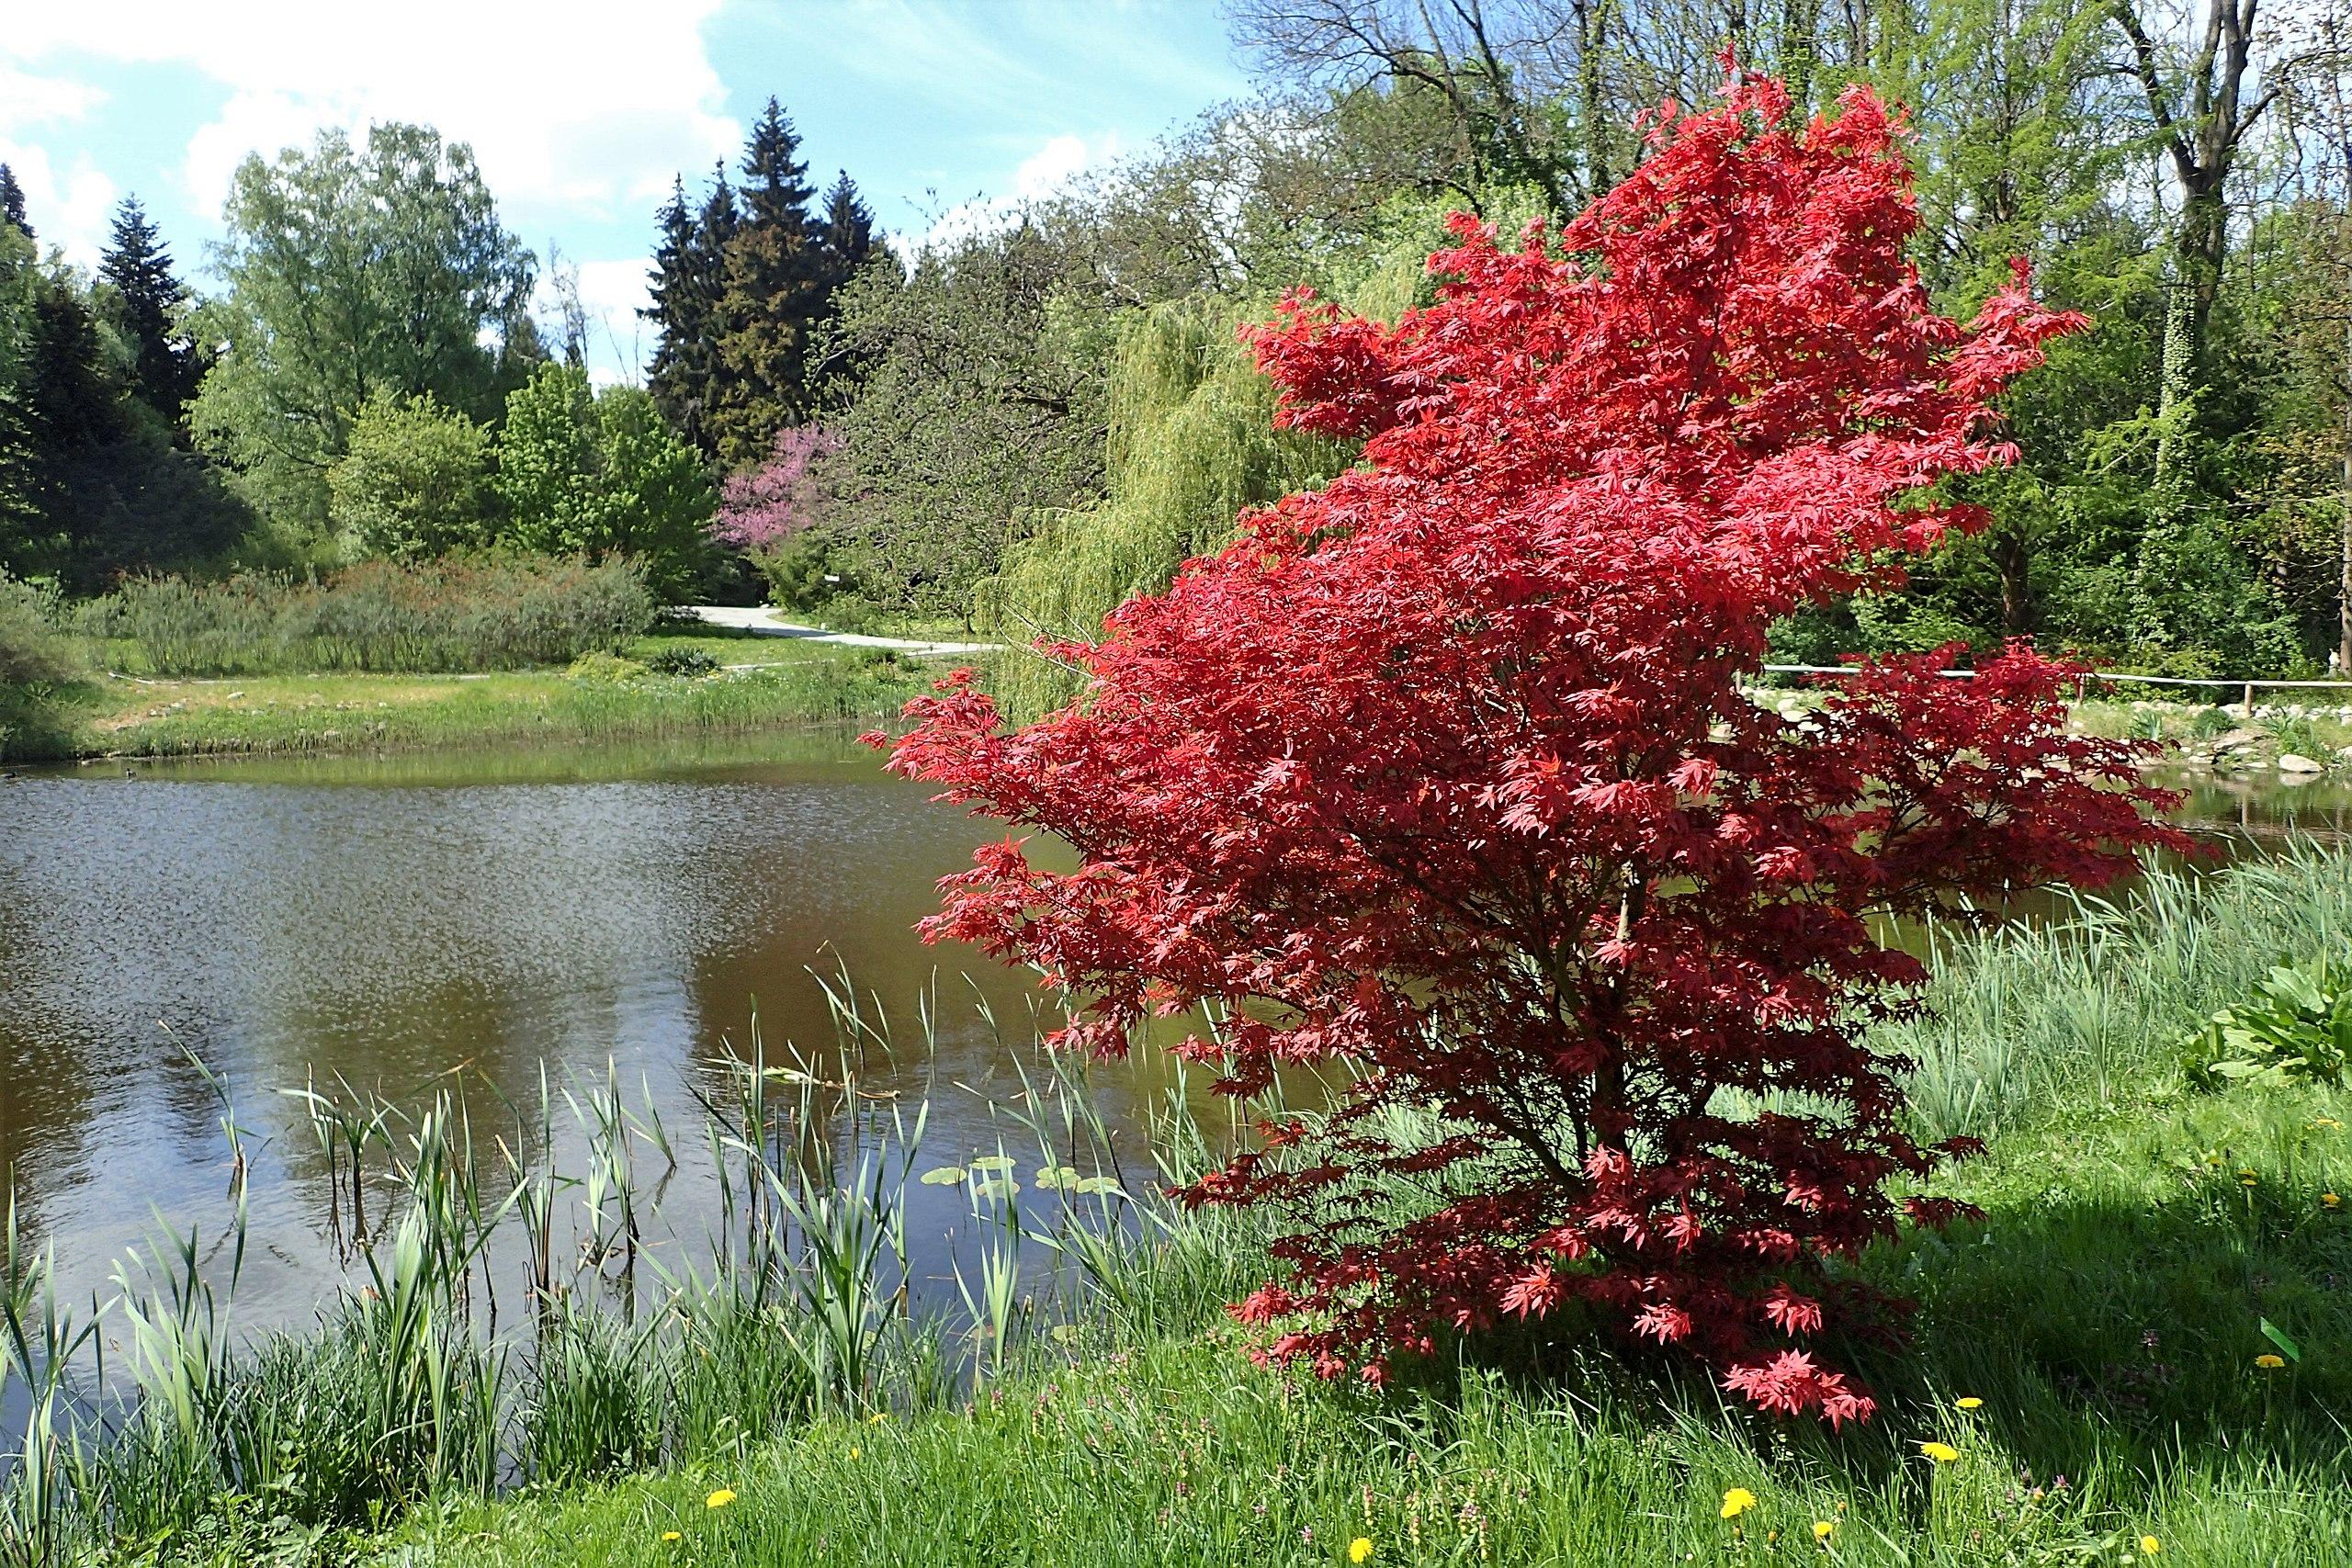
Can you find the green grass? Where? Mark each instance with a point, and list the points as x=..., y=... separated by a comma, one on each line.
x=1177, y=1451
x=2108, y=1312
x=794, y=683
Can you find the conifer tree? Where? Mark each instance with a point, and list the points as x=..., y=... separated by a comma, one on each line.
x=145, y=300
x=673, y=311
x=776, y=287
x=687, y=378
x=12, y=201
x=848, y=235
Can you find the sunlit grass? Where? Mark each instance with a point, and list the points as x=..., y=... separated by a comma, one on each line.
x=797, y=684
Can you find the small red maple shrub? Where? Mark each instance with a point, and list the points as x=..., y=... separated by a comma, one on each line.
x=1447, y=771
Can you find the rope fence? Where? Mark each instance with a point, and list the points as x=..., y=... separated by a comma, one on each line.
x=2245, y=687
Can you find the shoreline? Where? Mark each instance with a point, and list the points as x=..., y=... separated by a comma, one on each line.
x=131, y=718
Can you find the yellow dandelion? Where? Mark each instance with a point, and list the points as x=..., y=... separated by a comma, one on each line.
x=1360, y=1549
x=853, y=1452
x=1738, y=1501
x=2247, y=1182
x=2329, y=1201
x=2149, y=1546
x=878, y=1418
x=719, y=1498
x=671, y=1535
x=2268, y=1362
x=1970, y=1403
x=1823, y=1528
x=1942, y=1453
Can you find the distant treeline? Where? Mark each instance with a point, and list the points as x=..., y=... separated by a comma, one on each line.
x=1027, y=416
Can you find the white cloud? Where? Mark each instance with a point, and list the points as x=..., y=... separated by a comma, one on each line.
x=69, y=206
x=1042, y=173
x=590, y=108
x=26, y=99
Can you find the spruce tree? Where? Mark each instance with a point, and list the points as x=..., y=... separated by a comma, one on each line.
x=672, y=312
x=695, y=376
x=848, y=234
x=775, y=289
x=146, y=297
x=12, y=201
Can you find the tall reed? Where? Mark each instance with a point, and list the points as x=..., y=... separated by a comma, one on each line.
x=456, y=612
x=427, y=1374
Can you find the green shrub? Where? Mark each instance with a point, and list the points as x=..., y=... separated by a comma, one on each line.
x=2297, y=1024
x=493, y=611
x=38, y=668
x=603, y=669
x=415, y=482
x=688, y=660
x=804, y=572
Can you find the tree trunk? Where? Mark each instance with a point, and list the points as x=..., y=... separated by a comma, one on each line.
x=2344, y=582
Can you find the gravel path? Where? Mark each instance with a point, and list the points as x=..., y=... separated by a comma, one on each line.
x=764, y=623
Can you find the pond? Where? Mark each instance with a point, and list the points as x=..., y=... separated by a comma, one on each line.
x=462, y=921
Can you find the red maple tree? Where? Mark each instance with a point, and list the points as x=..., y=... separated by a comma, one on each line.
x=1451, y=772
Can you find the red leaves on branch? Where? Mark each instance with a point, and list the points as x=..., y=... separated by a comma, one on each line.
x=1447, y=771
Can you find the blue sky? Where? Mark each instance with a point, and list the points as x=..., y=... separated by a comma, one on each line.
x=580, y=111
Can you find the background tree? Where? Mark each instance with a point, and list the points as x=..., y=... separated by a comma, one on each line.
x=142, y=300
x=848, y=235
x=352, y=273
x=415, y=481
x=776, y=284
x=2197, y=100
x=981, y=401
x=12, y=203
x=589, y=472
x=1521, y=81
x=689, y=283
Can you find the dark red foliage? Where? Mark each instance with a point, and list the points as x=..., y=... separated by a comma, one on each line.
x=1448, y=772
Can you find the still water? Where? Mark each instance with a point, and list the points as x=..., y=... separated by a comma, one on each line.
x=461, y=921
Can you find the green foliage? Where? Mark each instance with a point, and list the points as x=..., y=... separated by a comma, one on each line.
x=415, y=481
x=685, y=660
x=601, y=472
x=39, y=669
x=452, y=612
x=806, y=571
x=350, y=273
x=2296, y=1023
x=981, y=402
x=143, y=300
x=1192, y=441
x=603, y=669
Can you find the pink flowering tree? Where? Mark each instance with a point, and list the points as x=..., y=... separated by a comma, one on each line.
x=761, y=510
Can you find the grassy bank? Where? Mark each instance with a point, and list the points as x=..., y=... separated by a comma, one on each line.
x=119, y=715
x=2145, y=1242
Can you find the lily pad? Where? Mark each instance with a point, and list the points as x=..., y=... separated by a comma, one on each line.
x=944, y=1176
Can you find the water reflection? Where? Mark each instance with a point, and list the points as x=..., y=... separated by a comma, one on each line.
x=463, y=921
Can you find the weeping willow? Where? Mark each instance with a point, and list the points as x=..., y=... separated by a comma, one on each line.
x=1191, y=444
